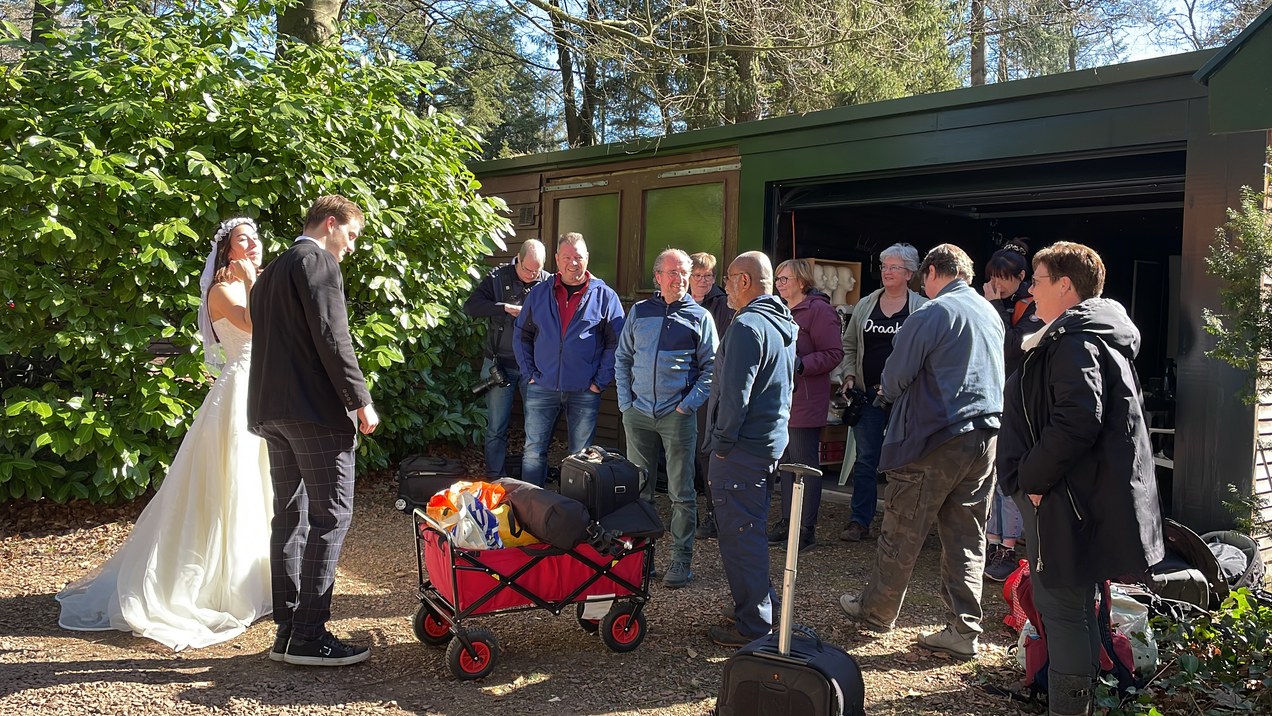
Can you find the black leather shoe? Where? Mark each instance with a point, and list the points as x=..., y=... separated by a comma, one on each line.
x=326, y=650
x=707, y=528
x=728, y=636
x=281, y=637
x=777, y=535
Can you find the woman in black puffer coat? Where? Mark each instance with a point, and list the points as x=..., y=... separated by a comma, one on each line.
x=1074, y=454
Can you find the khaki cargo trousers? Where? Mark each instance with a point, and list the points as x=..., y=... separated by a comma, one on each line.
x=952, y=486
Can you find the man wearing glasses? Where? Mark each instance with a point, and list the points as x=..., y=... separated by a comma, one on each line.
x=709, y=295
x=747, y=416
x=663, y=368
x=498, y=298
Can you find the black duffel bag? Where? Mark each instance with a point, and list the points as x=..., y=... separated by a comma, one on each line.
x=554, y=518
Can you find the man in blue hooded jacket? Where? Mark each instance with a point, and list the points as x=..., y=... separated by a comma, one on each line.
x=564, y=341
x=747, y=415
x=663, y=367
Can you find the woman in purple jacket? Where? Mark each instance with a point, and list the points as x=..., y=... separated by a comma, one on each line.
x=818, y=350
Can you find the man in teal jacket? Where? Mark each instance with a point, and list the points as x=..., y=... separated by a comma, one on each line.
x=663, y=367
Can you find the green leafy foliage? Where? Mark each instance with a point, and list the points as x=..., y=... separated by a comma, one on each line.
x=1219, y=663
x=125, y=139
x=1242, y=257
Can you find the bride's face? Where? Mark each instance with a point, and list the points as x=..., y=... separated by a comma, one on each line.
x=245, y=245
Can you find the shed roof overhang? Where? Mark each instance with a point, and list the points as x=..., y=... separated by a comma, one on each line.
x=754, y=133
x=1239, y=77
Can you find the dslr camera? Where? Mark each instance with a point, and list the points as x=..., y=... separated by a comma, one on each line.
x=496, y=379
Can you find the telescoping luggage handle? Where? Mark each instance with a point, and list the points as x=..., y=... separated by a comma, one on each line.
x=792, y=553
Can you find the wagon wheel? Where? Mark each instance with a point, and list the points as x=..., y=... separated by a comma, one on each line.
x=480, y=661
x=589, y=625
x=429, y=626
x=623, y=628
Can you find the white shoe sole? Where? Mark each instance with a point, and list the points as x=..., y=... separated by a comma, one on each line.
x=326, y=660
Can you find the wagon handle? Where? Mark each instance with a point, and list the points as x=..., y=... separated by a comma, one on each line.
x=428, y=519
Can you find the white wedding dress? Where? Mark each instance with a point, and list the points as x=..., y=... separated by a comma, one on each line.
x=195, y=569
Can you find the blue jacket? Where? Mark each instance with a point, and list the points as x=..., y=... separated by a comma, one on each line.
x=754, y=376
x=665, y=357
x=945, y=374
x=581, y=356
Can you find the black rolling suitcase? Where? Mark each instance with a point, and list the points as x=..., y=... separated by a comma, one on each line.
x=601, y=479
x=422, y=476
x=792, y=672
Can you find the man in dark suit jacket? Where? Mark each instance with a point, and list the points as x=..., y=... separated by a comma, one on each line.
x=304, y=386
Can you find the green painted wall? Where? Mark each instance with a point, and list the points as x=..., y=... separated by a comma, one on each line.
x=1241, y=90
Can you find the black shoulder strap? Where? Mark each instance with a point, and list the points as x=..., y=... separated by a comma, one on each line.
x=1125, y=673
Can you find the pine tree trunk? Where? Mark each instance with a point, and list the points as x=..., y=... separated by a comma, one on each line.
x=565, y=63
x=978, y=42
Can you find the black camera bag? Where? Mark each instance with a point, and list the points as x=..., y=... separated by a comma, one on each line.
x=422, y=476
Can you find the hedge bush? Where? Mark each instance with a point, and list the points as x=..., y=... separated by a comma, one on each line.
x=125, y=140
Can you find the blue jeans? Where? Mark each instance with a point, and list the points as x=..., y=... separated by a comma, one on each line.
x=1004, y=516
x=498, y=413
x=868, y=432
x=678, y=434
x=543, y=407
x=740, y=493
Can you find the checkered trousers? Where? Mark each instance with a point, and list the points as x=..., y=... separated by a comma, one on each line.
x=312, y=467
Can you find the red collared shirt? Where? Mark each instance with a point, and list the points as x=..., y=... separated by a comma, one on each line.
x=567, y=304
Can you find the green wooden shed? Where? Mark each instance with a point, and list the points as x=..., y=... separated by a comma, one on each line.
x=1122, y=158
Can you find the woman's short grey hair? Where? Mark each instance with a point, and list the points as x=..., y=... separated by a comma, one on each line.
x=908, y=255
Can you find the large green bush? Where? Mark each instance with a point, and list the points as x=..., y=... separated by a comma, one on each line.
x=123, y=141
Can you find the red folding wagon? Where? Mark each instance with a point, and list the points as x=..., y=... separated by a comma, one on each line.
x=457, y=584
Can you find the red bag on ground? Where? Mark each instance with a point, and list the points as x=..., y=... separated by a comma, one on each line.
x=1036, y=657
x=1011, y=594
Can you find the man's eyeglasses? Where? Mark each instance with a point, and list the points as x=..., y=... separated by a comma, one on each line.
x=731, y=276
x=1047, y=276
x=673, y=272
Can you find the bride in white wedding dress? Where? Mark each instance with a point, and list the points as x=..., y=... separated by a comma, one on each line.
x=195, y=568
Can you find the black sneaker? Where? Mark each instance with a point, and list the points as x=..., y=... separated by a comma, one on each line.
x=807, y=539
x=326, y=650
x=281, y=637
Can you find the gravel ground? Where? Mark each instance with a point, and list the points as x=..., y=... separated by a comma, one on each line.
x=548, y=665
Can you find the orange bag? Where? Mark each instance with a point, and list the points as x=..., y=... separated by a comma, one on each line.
x=443, y=508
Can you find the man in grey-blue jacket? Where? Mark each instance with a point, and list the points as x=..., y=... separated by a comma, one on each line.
x=662, y=368
x=944, y=381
